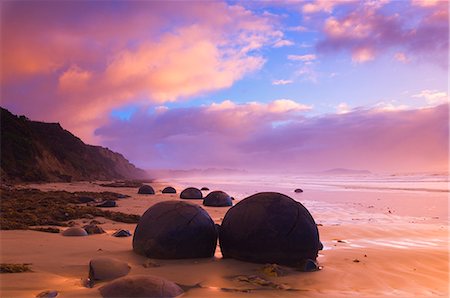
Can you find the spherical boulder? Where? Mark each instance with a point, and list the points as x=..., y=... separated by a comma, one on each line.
x=140, y=286
x=269, y=227
x=146, y=190
x=175, y=230
x=74, y=231
x=191, y=193
x=204, y=188
x=169, y=189
x=298, y=190
x=104, y=268
x=218, y=199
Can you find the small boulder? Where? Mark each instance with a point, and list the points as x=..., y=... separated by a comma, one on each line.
x=93, y=229
x=175, y=230
x=146, y=190
x=218, y=199
x=298, y=190
x=169, y=189
x=140, y=286
x=74, y=231
x=103, y=268
x=107, y=204
x=121, y=233
x=204, y=189
x=191, y=193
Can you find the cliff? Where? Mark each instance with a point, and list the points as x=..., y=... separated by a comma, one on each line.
x=38, y=151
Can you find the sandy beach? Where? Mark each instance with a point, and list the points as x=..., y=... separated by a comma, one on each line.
x=375, y=245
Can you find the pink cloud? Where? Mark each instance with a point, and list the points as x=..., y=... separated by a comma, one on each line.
x=258, y=137
x=373, y=28
x=94, y=56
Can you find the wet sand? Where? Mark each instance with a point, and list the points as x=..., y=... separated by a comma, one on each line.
x=368, y=252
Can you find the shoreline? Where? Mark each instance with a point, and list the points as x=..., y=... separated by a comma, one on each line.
x=396, y=258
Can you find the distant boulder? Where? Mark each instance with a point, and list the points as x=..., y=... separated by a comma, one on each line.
x=146, y=190
x=103, y=268
x=298, y=190
x=269, y=227
x=107, y=204
x=169, y=189
x=92, y=229
x=141, y=286
x=204, y=188
x=121, y=233
x=175, y=230
x=218, y=199
x=74, y=231
x=191, y=193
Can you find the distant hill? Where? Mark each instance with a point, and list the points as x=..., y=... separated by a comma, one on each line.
x=38, y=151
x=342, y=171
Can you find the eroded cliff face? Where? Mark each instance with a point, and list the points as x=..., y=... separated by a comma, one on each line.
x=38, y=151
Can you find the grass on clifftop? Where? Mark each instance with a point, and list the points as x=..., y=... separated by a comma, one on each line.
x=22, y=208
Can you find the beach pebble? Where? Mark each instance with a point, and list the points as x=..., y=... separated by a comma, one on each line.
x=103, y=268
x=218, y=199
x=298, y=190
x=169, y=189
x=191, y=193
x=93, y=229
x=175, y=230
x=107, y=204
x=269, y=228
x=140, y=286
x=146, y=190
x=47, y=294
x=75, y=231
x=121, y=233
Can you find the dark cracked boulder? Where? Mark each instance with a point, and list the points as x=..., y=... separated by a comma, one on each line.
x=218, y=199
x=191, y=193
x=269, y=227
x=140, y=286
x=146, y=190
x=169, y=189
x=175, y=230
x=92, y=229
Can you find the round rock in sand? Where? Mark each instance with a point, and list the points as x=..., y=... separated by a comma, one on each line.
x=140, y=286
x=75, y=231
x=93, y=229
x=269, y=227
x=191, y=193
x=146, y=190
x=298, y=190
x=169, y=189
x=218, y=199
x=175, y=230
x=103, y=268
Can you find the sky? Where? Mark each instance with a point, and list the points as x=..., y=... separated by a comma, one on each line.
x=291, y=86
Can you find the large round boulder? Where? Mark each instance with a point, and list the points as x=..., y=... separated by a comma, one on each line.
x=218, y=199
x=269, y=227
x=140, y=286
x=74, y=232
x=175, y=230
x=169, y=189
x=191, y=193
x=146, y=190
